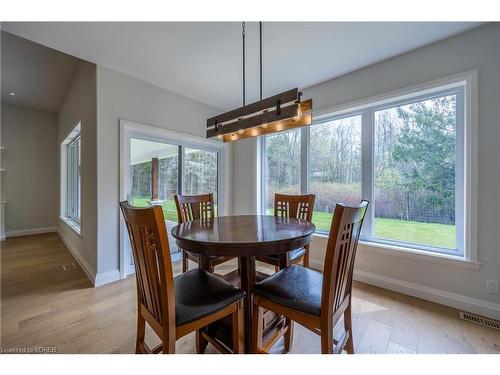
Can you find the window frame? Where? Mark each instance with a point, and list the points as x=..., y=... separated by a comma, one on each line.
x=71, y=179
x=368, y=235
x=465, y=87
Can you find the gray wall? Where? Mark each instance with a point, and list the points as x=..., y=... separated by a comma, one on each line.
x=477, y=49
x=31, y=177
x=80, y=105
x=121, y=96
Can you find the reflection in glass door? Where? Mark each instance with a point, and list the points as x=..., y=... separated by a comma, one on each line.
x=154, y=175
x=200, y=172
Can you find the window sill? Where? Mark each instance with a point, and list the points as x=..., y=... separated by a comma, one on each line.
x=72, y=224
x=415, y=254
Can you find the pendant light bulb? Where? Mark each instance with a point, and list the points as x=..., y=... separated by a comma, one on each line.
x=220, y=137
x=299, y=114
x=241, y=131
x=265, y=125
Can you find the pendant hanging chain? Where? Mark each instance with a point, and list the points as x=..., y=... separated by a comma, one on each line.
x=260, y=39
x=243, y=36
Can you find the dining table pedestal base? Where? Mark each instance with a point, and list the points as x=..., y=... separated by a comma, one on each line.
x=221, y=331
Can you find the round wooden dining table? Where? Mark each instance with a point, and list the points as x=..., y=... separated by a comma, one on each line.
x=245, y=237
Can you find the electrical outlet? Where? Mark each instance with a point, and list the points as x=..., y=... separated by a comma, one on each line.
x=492, y=286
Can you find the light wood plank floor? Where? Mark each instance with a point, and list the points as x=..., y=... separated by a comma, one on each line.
x=42, y=305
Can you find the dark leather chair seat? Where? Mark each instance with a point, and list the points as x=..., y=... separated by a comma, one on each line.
x=294, y=254
x=199, y=293
x=296, y=287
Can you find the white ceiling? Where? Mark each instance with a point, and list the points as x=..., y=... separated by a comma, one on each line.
x=203, y=60
x=37, y=75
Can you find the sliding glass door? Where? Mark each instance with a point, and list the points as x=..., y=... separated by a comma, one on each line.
x=200, y=172
x=142, y=155
x=159, y=170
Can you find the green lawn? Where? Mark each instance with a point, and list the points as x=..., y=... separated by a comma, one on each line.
x=169, y=210
x=400, y=230
x=440, y=235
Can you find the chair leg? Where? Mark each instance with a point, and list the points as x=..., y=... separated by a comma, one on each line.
x=288, y=339
x=238, y=330
x=169, y=347
x=349, y=347
x=141, y=329
x=305, y=260
x=327, y=340
x=256, y=329
x=201, y=342
x=185, y=261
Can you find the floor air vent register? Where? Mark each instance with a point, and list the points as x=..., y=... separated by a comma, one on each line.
x=480, y=320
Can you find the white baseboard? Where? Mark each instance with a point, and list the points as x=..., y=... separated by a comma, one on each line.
x=106, y=277
x=97, y=279
x=91, y=274
x=27, y=232
x=457, y=301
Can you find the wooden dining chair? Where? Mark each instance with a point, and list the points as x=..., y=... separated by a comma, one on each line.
x=292, y=206
x=174, y=307
x=314, y=300
x=196, y=207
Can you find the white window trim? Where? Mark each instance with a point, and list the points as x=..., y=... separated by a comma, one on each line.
x=73, y=224
x=131, y=129
x=411, y=253
x=469, y=259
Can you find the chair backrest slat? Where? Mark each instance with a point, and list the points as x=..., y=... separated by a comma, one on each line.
x=194, y=207
x=340, y=255
x=294, y=206
x=153, y=266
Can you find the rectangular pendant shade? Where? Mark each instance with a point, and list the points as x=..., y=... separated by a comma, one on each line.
x=284, y=97
x=297, y=120
x=281, y=117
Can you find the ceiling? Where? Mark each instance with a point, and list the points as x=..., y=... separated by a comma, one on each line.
x=37, y=75
x=202, y=60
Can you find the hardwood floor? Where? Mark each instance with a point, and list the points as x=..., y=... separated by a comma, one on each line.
x=44, y=306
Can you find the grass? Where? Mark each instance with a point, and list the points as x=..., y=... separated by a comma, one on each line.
x=440, y=235
x=169, y=210
x=431, y=234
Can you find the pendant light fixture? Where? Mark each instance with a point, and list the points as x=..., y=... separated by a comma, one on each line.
x=274, y=114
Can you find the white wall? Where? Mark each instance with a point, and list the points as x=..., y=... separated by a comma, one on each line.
x=31, y=177
x=477, y=49
x=121, y=96
x=79, y=105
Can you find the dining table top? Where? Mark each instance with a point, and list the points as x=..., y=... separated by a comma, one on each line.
x=224, y=235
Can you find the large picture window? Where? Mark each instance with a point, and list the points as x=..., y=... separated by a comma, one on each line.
x=415, y=172
x=282, y=166
x=405, y=154
x=335, y=167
